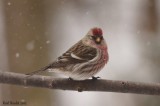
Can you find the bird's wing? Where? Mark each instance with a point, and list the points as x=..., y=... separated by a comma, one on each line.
x=78, y=53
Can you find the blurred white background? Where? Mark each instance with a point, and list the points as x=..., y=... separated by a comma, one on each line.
x=34, y=33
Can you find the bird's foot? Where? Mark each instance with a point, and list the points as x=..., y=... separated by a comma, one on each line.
x=95, y=78
x=70, y=79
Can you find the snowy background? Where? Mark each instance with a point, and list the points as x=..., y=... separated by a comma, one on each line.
x=34, y=33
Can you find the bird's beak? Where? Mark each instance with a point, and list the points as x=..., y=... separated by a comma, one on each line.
x=98, y=39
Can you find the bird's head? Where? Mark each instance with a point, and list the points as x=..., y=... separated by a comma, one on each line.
x=94, y=37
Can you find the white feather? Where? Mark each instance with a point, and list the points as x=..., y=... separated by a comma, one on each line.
x=76, y=57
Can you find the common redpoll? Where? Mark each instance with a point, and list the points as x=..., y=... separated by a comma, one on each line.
x=84, y=59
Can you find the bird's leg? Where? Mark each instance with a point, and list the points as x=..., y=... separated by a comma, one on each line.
x=70, y=79
x=95, y=78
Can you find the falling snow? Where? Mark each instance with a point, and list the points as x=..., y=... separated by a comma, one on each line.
x=40, y=47
x=17, y=55
x=9, y=3
x=47, y=42
x=28, y=24
x=20, y=14
x=30, y=46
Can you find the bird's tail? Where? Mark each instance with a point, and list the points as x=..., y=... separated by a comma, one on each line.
x=38, y=71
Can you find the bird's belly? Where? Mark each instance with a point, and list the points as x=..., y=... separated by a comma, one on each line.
x=84, y=71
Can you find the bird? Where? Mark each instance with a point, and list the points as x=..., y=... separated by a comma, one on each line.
x=83, y=60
